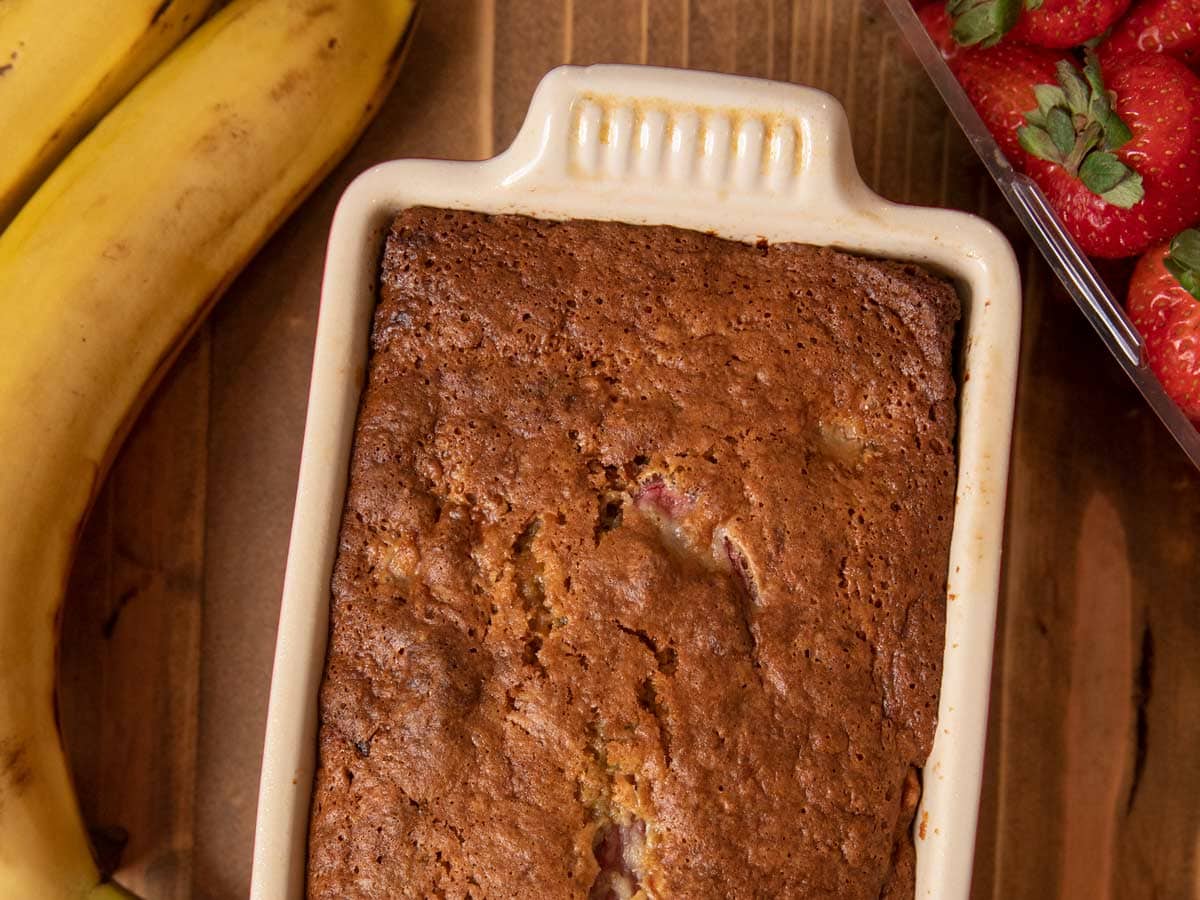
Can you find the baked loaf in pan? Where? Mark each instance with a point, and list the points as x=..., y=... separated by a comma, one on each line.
x=640, y=589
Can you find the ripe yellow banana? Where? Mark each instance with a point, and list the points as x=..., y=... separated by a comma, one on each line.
x=102, y=275
x=63, y=64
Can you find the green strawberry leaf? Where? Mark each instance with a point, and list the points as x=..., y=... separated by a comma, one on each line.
x=1037, y=141
x=1048, y=97
x=1091, y=71
x=1116, y=132
x=1074, y=89
x=1101, y=172
x=1189, y=281
x=1128, y=192
x=1036, y=118
x=1185, y=249
x=1099, y=107
x=982, y=22
x=1183, y=261
x=1085, y=142
x=1061, y=129
x=1031, y=5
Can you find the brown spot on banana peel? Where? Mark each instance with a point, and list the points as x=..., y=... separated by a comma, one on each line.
x=229, y=128
x=291, y=80
x=321, y=9
x=15, y=773
x=312, y=14
x=394, y=61
x=161, y=11
x=182, y=199
x=115, y=251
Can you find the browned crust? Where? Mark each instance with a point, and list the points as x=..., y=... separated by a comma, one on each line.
x=642, y=525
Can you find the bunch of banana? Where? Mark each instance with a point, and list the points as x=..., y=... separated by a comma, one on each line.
x=63, y=64
x=103, y=274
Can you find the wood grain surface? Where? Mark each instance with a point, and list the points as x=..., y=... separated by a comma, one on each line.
x=1093, y=777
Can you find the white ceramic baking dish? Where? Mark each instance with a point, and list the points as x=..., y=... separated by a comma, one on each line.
x=743, y=158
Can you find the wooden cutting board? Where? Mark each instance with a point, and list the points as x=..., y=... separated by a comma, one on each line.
x=1093, y=778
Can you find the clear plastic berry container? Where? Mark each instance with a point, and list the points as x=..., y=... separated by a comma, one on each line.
x=1091, y=293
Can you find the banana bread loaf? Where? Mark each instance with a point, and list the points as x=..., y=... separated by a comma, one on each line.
x=640, y=589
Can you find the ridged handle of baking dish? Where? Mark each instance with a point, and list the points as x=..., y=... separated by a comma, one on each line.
x=606, y=128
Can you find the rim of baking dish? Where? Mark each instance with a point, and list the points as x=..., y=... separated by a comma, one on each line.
x=745, y=159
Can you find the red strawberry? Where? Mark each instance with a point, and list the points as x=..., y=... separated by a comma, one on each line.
x=1157, y=26
x=999, y=82
x=1046, y=23
x=1067, y=23
x=1164, y=304
x=1121, y=167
